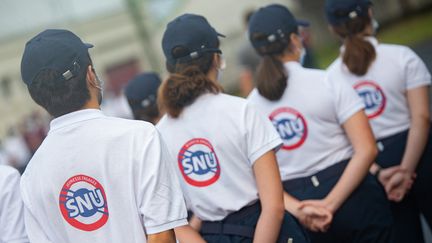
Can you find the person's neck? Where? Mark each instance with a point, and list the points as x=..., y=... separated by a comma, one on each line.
x=289, y=58
x=91, y=104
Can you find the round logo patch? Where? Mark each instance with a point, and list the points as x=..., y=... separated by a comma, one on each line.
x=198, y=163
x=291, y=126
x=83, y=203
x=373, y=98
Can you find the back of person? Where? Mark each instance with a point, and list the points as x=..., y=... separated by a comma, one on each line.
x=319, y=120
x=86, y=175
x=215, y=151
x=312, y=133
x=394, y=85
x=12, y=227
x=225, y=149
x=384, y=91
x=94, y=178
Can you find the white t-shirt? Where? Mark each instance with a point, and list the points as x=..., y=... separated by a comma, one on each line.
x=216, y=141
x=383, y=88
x=11, y=208
x=100, y=179
x=308, y=117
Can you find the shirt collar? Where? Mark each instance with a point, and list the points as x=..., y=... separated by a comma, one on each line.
x=290, y=65
x=74, y=117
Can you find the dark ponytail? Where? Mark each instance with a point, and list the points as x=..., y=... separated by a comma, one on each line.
x=186, y=83
x=359, y=53
x=271, y=77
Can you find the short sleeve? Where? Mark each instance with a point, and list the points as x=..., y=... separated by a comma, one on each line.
x=261, y=136
x=416, y=72
x=160, y=197
x=346, y=100
x=11, y=207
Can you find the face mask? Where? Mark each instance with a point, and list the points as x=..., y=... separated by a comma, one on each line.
x=99, y=87
x=375, y=26
x=302, y=55
x=221, y=67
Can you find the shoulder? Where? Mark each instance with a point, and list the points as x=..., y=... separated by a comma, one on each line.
x=9, y=177
x=122, y=125
x=8, y=172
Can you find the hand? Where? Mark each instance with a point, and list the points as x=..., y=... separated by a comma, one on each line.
x=314, y=215
x=399, y=184
x=387, y=173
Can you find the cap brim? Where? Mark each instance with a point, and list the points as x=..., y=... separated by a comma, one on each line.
x=220, y=35
x=302, y=23
x=88, y=45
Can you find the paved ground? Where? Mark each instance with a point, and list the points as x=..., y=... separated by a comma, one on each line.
x=424, y=50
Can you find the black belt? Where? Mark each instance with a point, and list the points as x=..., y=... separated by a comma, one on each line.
x=314, y=180
x=227, y=226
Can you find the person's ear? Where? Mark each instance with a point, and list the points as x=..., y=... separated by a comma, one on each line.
x=216, y=60
x=91, y=77
x=296, y=40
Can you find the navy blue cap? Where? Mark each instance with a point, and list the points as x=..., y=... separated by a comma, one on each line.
x=192, y=32
x=274, y=21
x=341, y=11
x=54, y=49
x=142, y=89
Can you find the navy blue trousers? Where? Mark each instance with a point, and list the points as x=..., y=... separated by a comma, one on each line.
x=407, y=227
x=364, y=217
x=290, y=229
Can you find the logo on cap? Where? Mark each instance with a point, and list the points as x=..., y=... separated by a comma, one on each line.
x=83, y=203
x=198, y=163
x=291, y=126
x=373, y=98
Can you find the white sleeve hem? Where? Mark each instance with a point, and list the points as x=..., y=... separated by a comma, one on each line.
x=413, y=85
x=274, y=144
x=350, y=112
x=165, y=227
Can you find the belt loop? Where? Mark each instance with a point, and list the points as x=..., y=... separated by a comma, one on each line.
x=380, y=146
x=290, y=240
x=315, y=181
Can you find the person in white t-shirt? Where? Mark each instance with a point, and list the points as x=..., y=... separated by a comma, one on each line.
x=12, y=227
x=94, y=178
x=394, y=85
x=328, y=144
x=224, y=147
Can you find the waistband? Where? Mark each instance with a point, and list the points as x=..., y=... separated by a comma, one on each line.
x=227, y=226
x=314, y=180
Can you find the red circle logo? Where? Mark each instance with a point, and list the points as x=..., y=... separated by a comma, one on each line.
x=83, y=203
x=198, y=163
x=291, y=126
x=373, y=97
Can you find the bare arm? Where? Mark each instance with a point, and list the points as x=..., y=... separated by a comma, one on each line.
x=418, y=102
x=361, y=138
x=162, y=237
x=186, y=234
x=271, y=196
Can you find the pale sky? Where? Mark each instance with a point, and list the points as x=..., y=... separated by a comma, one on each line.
x=18, y=16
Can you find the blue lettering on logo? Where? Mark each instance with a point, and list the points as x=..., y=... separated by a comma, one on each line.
x=85, y=203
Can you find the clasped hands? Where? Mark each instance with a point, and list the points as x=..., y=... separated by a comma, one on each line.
x=315, y=215
x=397, y=182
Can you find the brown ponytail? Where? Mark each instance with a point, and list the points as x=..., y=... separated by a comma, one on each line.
x=185, y=84
x=271, y=77
x=359, y=53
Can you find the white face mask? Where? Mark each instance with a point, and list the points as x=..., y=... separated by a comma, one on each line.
x=375, y=26
x=100, y=88
x=302, y=55
x=221, y=67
